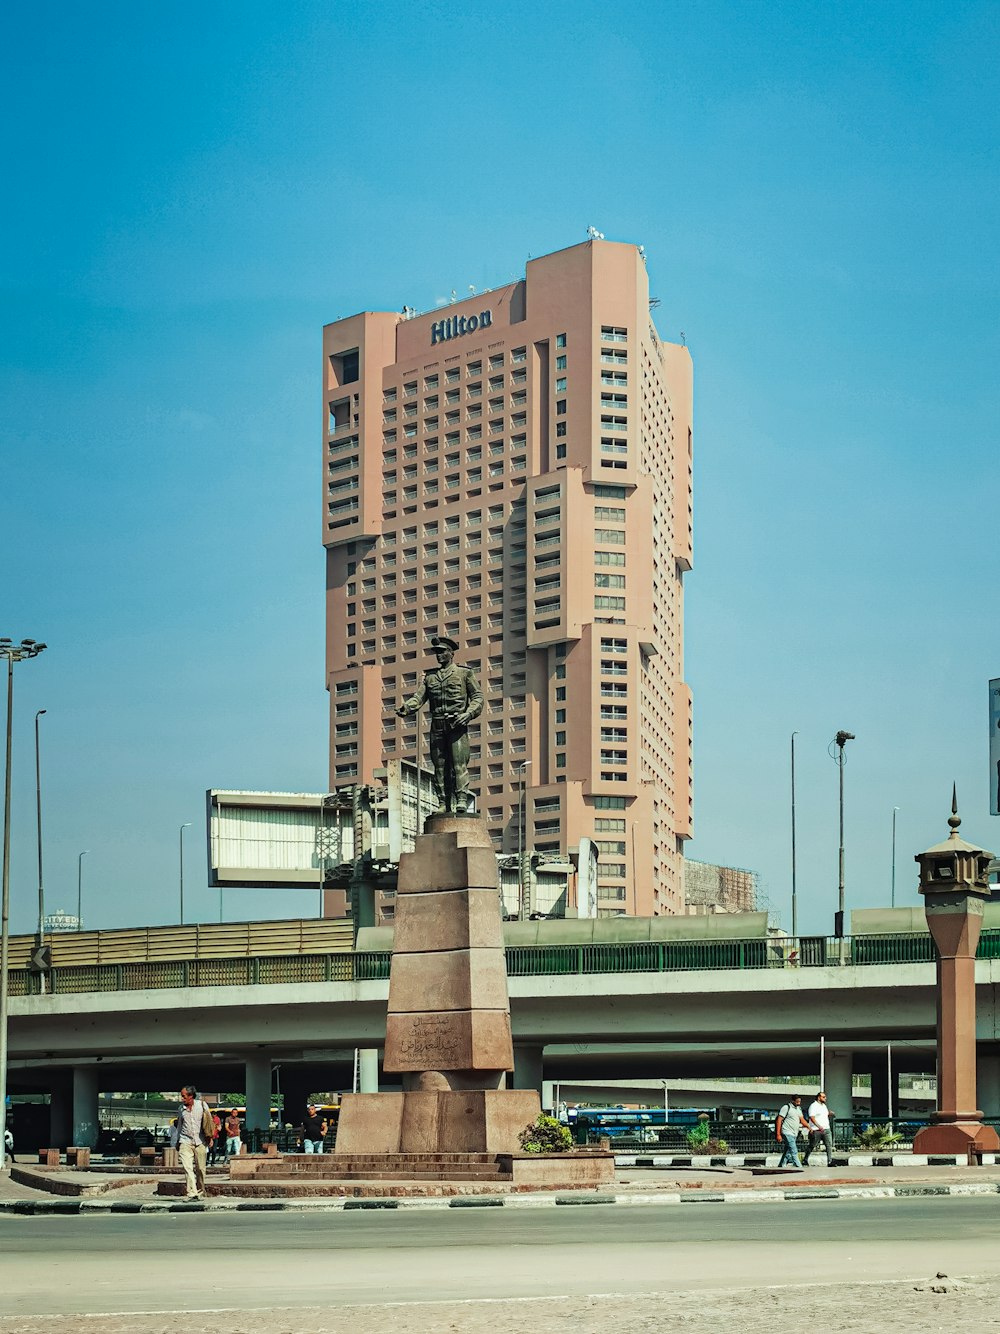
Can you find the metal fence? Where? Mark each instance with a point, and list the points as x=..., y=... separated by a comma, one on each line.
x=641, y=956
x=741, y=1137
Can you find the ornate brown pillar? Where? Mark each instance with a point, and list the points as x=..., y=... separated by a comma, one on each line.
x=953, y=882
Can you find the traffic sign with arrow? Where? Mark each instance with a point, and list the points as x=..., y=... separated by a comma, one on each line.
x=41, y=959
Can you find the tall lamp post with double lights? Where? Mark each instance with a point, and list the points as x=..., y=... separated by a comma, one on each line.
x=28, y=648
x=183, y=827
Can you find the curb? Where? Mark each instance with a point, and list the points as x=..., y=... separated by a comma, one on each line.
x=772, y=1160
x=731, y=1197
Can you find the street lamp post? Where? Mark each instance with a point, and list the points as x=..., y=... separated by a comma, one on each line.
x=79, y=889
x=187, y=825
x=892, y=899
x=28, y=648
x=840, y=741
x=40, y=940
x=795, y=899
x=525, y=764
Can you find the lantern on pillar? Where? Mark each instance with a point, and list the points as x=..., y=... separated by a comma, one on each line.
x=953, y=881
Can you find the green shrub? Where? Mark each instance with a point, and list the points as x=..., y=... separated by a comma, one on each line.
x=546, y=1135
x=877, y=1137
x=701, y=1140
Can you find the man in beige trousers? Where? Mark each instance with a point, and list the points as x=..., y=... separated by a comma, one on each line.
x=191, y=1137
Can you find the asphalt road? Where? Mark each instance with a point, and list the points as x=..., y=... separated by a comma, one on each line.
x=203, y=1262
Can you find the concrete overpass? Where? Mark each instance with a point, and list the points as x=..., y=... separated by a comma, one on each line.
x=301, y=1036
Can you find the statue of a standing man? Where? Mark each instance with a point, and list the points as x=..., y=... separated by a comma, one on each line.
x=455, y=699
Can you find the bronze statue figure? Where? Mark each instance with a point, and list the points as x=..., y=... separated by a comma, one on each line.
x=455, y=700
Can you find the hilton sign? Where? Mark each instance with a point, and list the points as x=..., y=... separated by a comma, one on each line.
x=457, y=325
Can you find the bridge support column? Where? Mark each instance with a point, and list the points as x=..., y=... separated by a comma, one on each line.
x=258, y=1082
x=368, y=1070
x=881, y=1091
x=85, y=1119
x=296, y=1089
x=527, y=1066
x=839, y=1079
x=988, y=1085
x=60, y=1116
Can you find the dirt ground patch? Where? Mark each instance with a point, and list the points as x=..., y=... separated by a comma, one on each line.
x=970, y=1304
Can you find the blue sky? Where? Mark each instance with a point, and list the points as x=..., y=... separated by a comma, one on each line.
x=192, y=191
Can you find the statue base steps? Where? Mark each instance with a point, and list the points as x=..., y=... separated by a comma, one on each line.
x=406, y=1174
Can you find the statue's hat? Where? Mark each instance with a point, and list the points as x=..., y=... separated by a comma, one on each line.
x=442, y=641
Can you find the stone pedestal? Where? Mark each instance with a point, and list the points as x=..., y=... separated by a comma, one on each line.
x=448, y=1021
x=429, y=1121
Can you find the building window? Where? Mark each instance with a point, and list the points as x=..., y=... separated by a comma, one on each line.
x=560, y=340
x=560, y=363
x=609, y=581
x=609, y=535
x=561, y=384
x=609, y=557
x=612, y=334
x=561, y=407
x=560, y=451
x=560, y=761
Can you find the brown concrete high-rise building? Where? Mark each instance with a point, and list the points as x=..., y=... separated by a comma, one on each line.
x=514, y=471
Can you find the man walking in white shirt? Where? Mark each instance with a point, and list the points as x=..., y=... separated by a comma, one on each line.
x=819, y=1129
x=191, y=1136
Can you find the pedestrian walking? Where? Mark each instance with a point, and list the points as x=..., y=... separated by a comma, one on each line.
x=233, y=1142
x=216, y=1147
x=789, y=1122
x=192, y=1134
x=313, y=1130
x=820, y=1130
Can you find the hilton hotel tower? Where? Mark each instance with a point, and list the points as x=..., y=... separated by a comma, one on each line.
x=514, y=471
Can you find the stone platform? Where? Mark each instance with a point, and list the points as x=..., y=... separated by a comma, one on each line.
x=406, y=1174
x=419, y=1122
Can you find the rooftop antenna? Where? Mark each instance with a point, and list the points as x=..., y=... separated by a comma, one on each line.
x=684, y=341
x=472, y=288
x=594, y=235
x=454, y=296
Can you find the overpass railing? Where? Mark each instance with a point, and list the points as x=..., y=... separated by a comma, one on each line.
x=641, y=956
